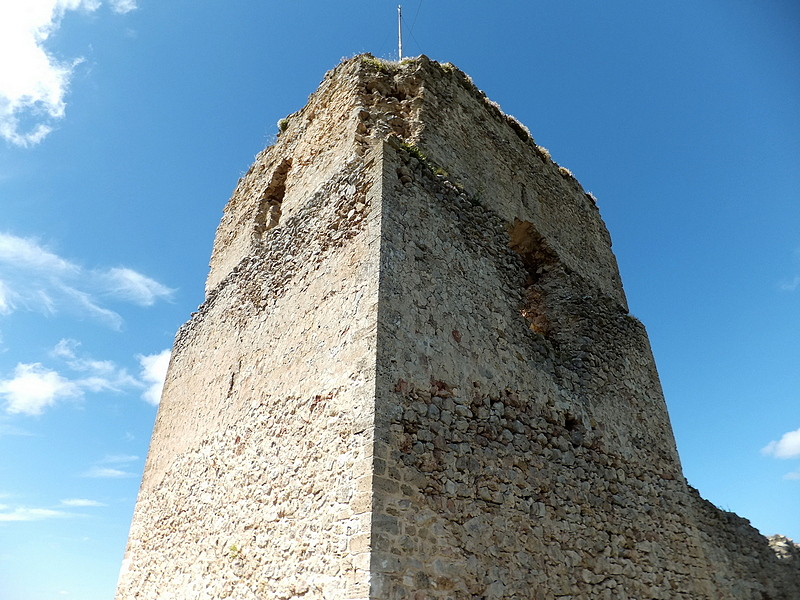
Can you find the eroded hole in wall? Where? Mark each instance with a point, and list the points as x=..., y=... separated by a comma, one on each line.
x=539, y=259
x=575, y=428
x=269, y=207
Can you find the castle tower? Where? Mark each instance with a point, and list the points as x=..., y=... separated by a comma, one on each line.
x=415, y=376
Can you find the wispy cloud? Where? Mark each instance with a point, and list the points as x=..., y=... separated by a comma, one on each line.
x=6, y=429
x=786, y=447
x=97, y=472
x=82, y=302
x=34, y=84
x=5, y=304
x=123, y=6
x=154, y=372
x=33, y=387
x=129, y=285
x=32, y=514
x=111, y=467
x=67, y=349
x=78, y=502
x=36, y=279
x=116, y=459
x=29, y=255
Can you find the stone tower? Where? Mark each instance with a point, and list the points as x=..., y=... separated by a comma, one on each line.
x=415, y=376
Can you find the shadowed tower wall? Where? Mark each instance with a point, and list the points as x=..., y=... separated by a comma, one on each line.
x=415, y=376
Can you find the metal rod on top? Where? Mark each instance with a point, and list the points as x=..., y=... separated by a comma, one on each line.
x=399, y=32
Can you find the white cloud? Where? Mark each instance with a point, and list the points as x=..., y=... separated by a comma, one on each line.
x=65, y=348
x=154, y=372
x=29, y=255
x=106, y=473
x=98, y=384
x=123, y=6
x=34, y=84
x=5, y=307
x=792, y=475
x=101, y=375
x=85, y=304
x=135, y=287
x=111, y=467
x=32, y=514
x=115, y=459
x=34, y=278
x=786, y=447
x=81, y=502
x=34, y=388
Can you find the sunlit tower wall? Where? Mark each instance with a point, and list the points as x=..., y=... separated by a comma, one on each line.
x=415, y=376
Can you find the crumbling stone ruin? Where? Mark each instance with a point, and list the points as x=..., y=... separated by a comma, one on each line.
x=415, y=376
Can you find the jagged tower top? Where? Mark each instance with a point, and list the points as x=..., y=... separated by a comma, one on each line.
x=436, y=109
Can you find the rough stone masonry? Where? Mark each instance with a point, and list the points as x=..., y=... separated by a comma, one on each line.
x=415, y=376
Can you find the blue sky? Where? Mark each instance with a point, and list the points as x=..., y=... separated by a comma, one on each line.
x=127, y=123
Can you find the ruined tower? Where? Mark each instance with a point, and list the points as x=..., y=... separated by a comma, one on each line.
x=415, y=376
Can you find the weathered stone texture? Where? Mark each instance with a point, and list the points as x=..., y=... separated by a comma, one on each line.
x=257, y=483
x=415, y=376
x=518, y=464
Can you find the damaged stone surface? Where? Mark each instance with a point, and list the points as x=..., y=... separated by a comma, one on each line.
x=415, y=376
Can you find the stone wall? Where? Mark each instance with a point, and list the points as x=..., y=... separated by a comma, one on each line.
x=520, y=463
x=256, y=483
x=415, y=376
x=313, y=147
